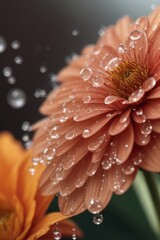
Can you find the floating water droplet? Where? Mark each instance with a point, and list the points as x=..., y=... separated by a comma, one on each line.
x=26, y=126
x=54, y=134
x=3, y=44
x=25, y=137
x=135, y=35
x=16, y=98
x=149, y=84
x=98, y=219
x=7, y=71
x=40, y=93
x=49, y=153
x=95, y=206
x=57, y=234
x=15, y=44
x=11, y=80
x=32, y=171
x=110, y=99
x=136, y=96
x=113, y=63
x=75, y=32
x=18, y=60
x=146, y=128
x=43, y=69
x=86, y=73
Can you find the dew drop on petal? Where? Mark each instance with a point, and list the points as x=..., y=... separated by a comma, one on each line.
x=105, y=60
x=86, y=98
x=113, y=63
x=135, y=35
x=97, y=81
x=35, y=161
x=107, y=163
x=3, y=44
x=149, y=84
x=15, y=44
x=98, y=218
x=57, y=235
x=49, y=153
x=110, y=99
x=86, y=133
x=136, y=95
x=7, y=71
x=32, y=171
x=16, y=98
x=146, y=128
x=86, y=73
x=137, y=160
x=53, y=133
x=95, y=206
x=121, y=49
x=18, y=60
x=128, y=170
x=70, y=135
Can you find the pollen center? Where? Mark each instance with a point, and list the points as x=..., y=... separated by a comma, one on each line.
x=126, y=78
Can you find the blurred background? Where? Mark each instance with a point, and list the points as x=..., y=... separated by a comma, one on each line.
x=38, y=38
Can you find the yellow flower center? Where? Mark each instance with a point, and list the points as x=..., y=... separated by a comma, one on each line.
x=6, y=224
x=126, y=78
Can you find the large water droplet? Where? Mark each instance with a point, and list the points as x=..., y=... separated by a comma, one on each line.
x=136, y=96
x=57, y=234
x=54, y=134
x=98, y=219
x=86, y=73
x=107, y=163
x=7, y=71
x=16, y=98
x=105, y=60
x=135, y=35
x=128, y=170
x=149, y=84
x=16, y=44
x=95, y=206
x=49, y=153
x=86, y=133
x=110, y=99
x=3, y=45
x=18, y=60
x=146, y=128
x=113, y=63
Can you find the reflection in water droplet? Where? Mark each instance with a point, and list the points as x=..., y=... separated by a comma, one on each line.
x=15, y=44
x=16, y=98
x=7, y=71
x=98, y=219
x=95, y=205
x=3, y=44
x=18, y=60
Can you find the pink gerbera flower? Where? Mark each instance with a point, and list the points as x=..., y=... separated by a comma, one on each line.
x=103, y=122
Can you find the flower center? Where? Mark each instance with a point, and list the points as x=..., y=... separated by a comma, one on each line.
x=6, y=224
x=126, y=78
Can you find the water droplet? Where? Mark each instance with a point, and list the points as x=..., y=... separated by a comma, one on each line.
x=98, y=219
x=146, y=128
x=28, y=144
x=25, y=137
x=70, y=135
x=107, y=163
x=149, y=84
x=139, y=111
x=16, y=98
x=121, y=49
x=43, y=69
x=155, y=27
x=40, y=93
x=87, y=99
x=32, y=171
x=101, y=31
x=54, y=134
x=95, y=206
x=7, y=71
x=18, y=60
x=26, y=126
x=86, y=133
x=97, y=81
x=75, y=32
x=136, y=96
x=57, y=234
x=3, y=44
x=113, y=63
x=97, y=49
x=49, y=153
x=11, y=80
x=137, y=160
x=135, y=35
x=105, y=60
x=86, y=73
x=35, y=161
x=74, y=236
x=128, y=170
x=110, y=99
x=15, y=44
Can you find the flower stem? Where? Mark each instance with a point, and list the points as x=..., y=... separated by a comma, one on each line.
x=154, y=191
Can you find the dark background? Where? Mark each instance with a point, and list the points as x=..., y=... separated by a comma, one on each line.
x=44, y=29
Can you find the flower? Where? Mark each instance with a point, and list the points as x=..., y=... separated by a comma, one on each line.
x=22, y=208
x=103, y=122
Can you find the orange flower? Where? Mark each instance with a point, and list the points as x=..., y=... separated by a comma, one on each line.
x=22, y=208
x=103, y=122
